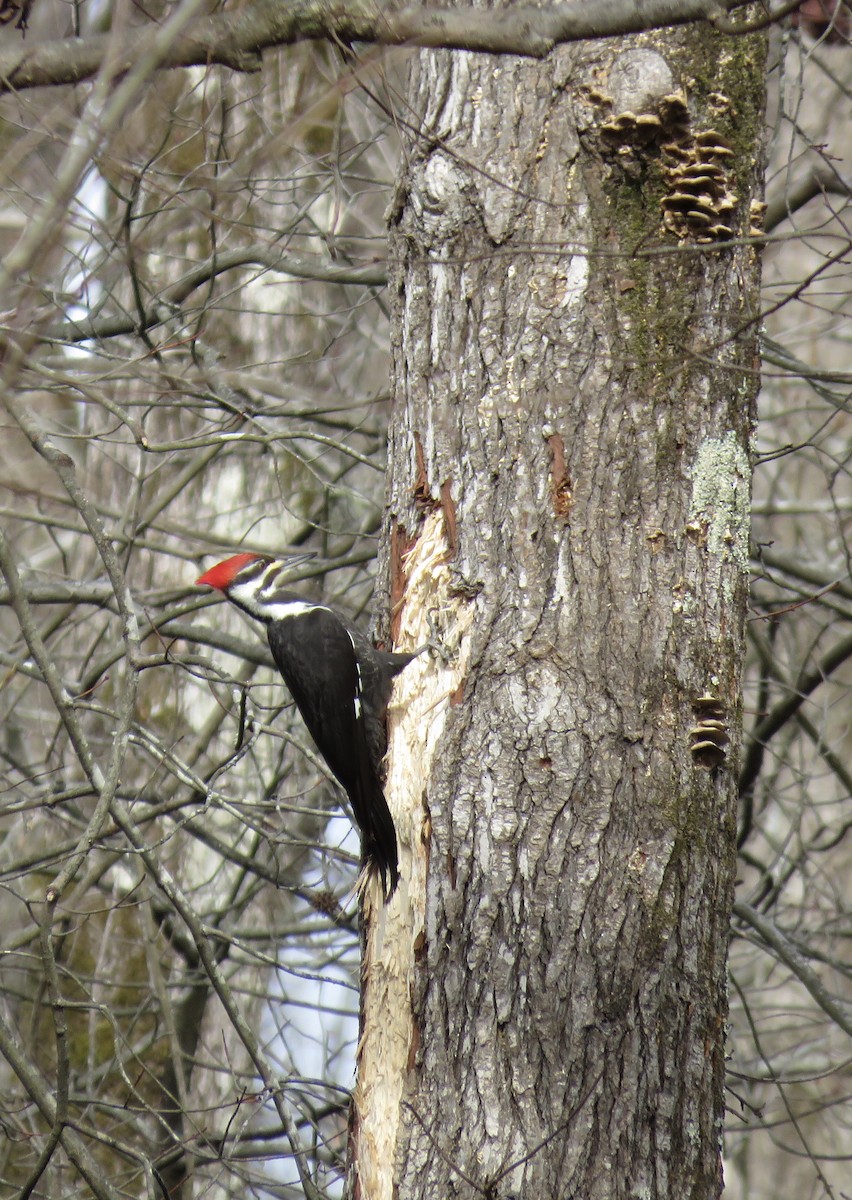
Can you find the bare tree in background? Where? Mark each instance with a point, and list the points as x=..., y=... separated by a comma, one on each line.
x=790, y=1016
x=195, y=356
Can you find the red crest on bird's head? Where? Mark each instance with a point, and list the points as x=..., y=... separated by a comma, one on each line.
x=224, y=573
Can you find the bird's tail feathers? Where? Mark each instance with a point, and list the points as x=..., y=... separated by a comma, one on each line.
x=379, y=833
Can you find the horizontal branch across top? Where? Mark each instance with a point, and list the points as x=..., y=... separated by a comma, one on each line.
x=237, y=39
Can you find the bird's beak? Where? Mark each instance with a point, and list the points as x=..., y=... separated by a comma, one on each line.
x=289, y=561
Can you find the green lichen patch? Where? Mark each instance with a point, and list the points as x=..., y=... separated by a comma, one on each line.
x=720, y=497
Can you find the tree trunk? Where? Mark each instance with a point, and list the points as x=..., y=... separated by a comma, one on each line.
x=575, y=378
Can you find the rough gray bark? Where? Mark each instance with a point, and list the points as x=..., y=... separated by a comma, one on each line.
x=574, y=378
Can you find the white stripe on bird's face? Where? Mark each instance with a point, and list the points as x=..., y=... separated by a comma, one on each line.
x=255, y=587
x=281, y=610
x=269, y=577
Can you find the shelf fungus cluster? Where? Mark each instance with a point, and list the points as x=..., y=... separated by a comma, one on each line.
x=708, y=737
x=628, y=132
x=698, y=203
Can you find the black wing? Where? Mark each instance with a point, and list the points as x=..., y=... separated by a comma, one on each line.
x=315, y=654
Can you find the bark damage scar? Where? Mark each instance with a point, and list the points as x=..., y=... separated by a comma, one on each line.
x=423, y=497
x=421, y=491
x=395, y=934
x=561, y=486
x=450, y=525
x=400, y=544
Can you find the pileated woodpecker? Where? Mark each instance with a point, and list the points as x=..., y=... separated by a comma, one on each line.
x=341, y=685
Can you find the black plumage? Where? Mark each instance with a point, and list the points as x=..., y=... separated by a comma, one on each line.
x=341, y=685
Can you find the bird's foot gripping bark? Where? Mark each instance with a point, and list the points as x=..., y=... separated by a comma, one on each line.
x=435, y=643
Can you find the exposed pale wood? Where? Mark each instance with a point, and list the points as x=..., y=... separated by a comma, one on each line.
x=395, y=934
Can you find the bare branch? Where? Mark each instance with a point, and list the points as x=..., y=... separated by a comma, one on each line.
x=167, y=305
x=237, y=40
x=818, y=182
x=839, y=1012
x=788, y=708
x=36, y=1087
x=207, y=955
